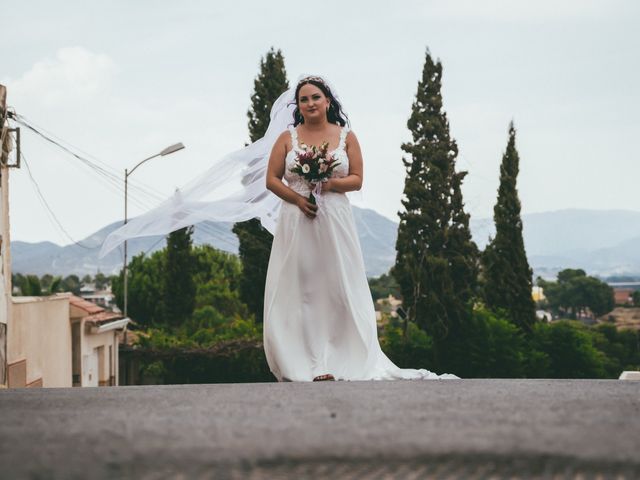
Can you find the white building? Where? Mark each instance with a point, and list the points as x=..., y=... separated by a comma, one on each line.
x=49, y=341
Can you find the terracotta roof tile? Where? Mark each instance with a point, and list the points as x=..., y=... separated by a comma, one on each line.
x=103, y=317
x=87, y=306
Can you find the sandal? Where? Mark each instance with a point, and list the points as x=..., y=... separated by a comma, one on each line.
x=321, y=378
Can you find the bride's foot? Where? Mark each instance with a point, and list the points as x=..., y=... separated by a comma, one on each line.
x=320, y=378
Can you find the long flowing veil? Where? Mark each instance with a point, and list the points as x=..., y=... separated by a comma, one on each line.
x=233, y=189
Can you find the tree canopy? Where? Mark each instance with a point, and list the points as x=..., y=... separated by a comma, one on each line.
x=574, y=292
x=506, y=273
x=255, y=241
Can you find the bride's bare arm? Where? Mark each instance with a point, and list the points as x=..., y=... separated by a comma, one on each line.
x=353, y=181
x=275, y=172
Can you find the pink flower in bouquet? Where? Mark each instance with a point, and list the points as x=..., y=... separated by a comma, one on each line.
x=315, y=165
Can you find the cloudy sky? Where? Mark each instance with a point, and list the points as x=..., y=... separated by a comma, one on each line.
x=120, y=81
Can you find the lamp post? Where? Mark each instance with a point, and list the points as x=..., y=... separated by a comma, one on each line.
x=166, y=151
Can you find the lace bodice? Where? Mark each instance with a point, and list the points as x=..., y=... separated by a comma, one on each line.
x=294, y=180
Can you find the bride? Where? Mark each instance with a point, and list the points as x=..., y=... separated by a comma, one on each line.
x=319, y=319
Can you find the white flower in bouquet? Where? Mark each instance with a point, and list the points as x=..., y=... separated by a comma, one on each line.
x=315, y=165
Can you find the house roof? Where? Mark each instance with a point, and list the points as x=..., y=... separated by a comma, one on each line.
x=622, y=295
x=103, y=317
x=85, y=305
x=91, y=312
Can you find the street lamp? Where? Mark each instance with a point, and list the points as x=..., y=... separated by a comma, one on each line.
x=167, y=151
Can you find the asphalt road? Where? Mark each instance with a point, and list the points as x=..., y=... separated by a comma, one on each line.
x=402, y=429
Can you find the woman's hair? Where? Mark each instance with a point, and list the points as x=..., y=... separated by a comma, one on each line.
x=334, y=114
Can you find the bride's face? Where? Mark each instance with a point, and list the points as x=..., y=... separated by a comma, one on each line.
x=312, y=103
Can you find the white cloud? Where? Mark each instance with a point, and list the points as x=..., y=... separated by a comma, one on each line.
x=73, y=75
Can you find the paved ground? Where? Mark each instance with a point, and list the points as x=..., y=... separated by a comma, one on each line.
x=403, y=429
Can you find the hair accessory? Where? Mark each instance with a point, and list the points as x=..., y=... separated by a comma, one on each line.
x=316, y=79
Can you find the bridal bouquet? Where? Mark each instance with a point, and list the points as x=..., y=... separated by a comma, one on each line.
x=315, y=165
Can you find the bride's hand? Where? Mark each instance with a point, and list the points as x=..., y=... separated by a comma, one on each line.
x=327, y=186
x=308, y=208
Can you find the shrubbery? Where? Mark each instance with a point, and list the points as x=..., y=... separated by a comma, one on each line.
x=492, y=347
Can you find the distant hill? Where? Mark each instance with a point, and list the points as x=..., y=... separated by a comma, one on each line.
x=601, y=242
x=377, y=237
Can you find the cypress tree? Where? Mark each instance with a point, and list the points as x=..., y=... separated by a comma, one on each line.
x=436, y=260
x=179, y=288
x=506, y=271
x=255, y=241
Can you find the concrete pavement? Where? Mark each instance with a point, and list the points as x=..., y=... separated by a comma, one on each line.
x=402, y=429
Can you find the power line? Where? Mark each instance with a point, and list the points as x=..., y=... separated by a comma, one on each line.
x=206, y=228
x=48, y=208
x=112, y=178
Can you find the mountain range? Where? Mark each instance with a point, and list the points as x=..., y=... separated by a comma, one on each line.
x=602, y=242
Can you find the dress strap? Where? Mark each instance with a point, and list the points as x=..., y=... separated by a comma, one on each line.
x=343, y=137
x=294, y=137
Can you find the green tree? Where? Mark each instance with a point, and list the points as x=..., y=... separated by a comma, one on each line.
x=101, y=281
x=436, y=261
x=17, y=279
x=145, y=302
x=45, y=281
x=493, y=347
x=489, y=347
x=30, y=286
x=621, y=347
x=55, y=285
x=179, y=288
x=567, y=350
x=574, y=292
x=71, y=283
x=270, y=83
x=636, y=298
x=410, y=349
x=506, y=273
x=568, y=274
x=383, y=286
x=217, y=275
x=255, y=241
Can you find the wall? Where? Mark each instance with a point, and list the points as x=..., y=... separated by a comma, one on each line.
x=39, y=338
x=102, y=341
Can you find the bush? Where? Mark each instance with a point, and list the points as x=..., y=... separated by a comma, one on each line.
x=565, y=349
x=620, y=347
x=486, y=347
x=413, y=351
x=495, y=346
x=227, y=362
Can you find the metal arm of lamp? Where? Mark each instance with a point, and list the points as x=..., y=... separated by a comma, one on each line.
x=167, y=151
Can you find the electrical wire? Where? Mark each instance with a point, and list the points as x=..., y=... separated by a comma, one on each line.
x=112, y=177
x=106, y=175
x=56, y=222
x=52, y=215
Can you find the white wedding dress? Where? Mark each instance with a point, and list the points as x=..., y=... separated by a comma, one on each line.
x=319, y=316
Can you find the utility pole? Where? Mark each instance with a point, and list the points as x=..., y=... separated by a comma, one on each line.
x=167, y=151
x=6, y=147
x=5, y=263
x=126, y=277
